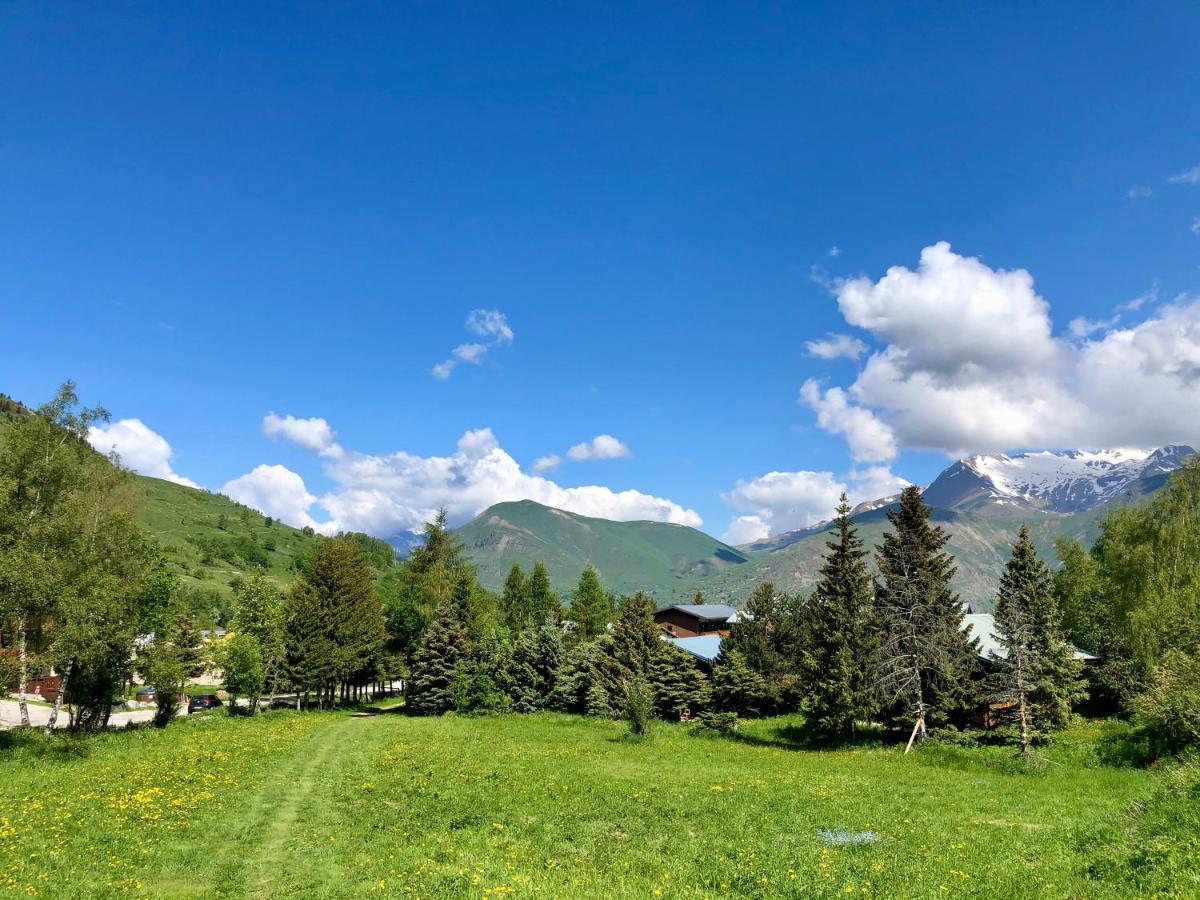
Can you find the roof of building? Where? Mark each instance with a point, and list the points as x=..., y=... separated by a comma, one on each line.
x=706, y=647
x=708, y=612
x=982, y=626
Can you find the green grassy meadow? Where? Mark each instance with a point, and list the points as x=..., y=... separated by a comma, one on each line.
x=332, y=805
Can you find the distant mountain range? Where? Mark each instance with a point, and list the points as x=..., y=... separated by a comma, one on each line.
x=669, y=560
x=981, y=501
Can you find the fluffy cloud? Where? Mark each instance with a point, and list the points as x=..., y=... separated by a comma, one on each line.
x=274, y=491
x=785, y=501
x=835, y=346
x=311, y=434
x=970, y=364
x=869, y=439
x=490, y=324
x=139, y=447
x=385, y=494
x=746, y=530
x=602, y=446
x=953, y=316
x=1139, y=192
x=546, y=463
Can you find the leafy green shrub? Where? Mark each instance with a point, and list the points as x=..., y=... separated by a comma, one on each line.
x=718, y=722
x=9, y=673
x=639, y=707
x=242, y=663
x=1169, y=710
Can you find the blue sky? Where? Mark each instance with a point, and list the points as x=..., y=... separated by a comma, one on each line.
x=215, y=213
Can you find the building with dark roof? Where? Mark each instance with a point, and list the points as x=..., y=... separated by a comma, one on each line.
x=694, y=619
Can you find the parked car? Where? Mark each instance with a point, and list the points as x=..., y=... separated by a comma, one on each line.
x=146, y=695
x=201, y=702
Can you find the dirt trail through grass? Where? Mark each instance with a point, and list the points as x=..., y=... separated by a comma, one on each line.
x=291, y=787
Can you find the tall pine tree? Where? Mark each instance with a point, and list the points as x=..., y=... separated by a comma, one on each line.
x=629, y=650
x=1036, y=678
x=513, y=600
x=925, y=656
x=544, y=605
x=840, y=689
x=591, y=606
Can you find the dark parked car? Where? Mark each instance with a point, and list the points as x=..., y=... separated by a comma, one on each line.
x=201, y=702
x=146, y=695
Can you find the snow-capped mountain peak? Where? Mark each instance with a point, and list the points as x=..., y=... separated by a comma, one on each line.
x=1057, y=480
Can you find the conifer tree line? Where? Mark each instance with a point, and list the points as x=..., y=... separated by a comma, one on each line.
x=878, y=646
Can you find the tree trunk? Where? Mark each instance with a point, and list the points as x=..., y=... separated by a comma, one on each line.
x=1023, y=708
x=22, y=686
x=58, y=702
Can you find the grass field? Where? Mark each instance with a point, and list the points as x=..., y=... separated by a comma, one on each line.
x=329, y=805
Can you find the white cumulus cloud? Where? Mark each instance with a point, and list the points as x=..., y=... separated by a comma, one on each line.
x=311, y=434
x=139, y=447
x=786, y=501
x=970, y=364
x=385, y=494
x=870, y=440
x=602, y=446
x=546, y=463
x=274, y=491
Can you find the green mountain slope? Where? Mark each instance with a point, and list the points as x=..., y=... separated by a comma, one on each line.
x=666, y=561
x=210, y=540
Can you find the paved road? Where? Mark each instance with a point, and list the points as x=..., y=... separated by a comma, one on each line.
x=10, y=715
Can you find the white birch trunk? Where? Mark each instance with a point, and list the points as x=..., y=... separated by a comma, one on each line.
x=23, y=684
x=58, y=701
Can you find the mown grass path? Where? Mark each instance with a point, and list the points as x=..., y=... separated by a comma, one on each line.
x=282, y=800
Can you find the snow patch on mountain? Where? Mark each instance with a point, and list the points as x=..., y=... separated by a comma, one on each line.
x=1069, y=480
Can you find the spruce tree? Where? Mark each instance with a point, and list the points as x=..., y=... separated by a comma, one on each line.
x=630, y=648
x=737, y=688
x=438, y=660
x=591, y=606
x=513, y=603
x=839, y=689
x=543, y=604
x=533, y=668
x=190, y=650
x=768, y=638
x=334, y=622
x=754, y=633
x=1036, y=677
x=925, y=656
x=478, y=610
x=678, y=685
x=576, y=678
x=421, y=584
